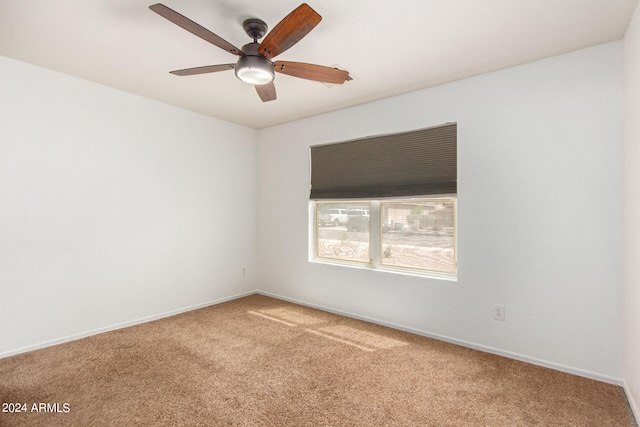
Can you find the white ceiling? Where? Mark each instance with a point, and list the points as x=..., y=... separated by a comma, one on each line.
x=389, y=46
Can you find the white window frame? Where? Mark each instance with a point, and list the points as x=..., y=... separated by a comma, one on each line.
x=375, y=236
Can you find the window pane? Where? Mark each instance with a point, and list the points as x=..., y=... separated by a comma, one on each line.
x=342, y=231
x=419, y=235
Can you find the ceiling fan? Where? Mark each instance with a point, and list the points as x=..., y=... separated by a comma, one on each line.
x=254, y=65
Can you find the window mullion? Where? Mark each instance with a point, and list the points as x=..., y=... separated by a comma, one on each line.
x=374, y=233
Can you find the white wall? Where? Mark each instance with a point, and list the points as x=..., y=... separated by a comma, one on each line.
x=539, y=213
x=114, y=208
x=631, y=212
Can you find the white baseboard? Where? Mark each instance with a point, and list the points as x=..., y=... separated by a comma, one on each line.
x=632, y=402
x=121, y=325
x=467, y=344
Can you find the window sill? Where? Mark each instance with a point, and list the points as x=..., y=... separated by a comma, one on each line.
x=385, y=269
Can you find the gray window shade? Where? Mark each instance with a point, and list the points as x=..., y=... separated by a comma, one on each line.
x=416, y=163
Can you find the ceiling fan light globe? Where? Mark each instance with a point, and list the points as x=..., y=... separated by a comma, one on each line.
x=255, y=70
x=254, y=76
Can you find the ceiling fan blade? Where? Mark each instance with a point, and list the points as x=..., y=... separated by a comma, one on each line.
x=203, y=70
x=266, y=92
x=318, y=73
x=192, y=27
x=289, y=31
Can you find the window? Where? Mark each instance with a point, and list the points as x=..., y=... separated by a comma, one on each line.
x=416, y=235
x=343, y=236
x=368, y=203
x=419, y=234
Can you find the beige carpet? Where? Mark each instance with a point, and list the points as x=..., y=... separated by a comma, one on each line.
x=258, y=361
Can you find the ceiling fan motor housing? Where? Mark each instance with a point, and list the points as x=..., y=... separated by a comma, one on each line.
x=254, y=68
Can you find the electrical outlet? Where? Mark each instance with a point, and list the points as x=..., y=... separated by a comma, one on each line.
x=498, y=312
x=244, y=272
